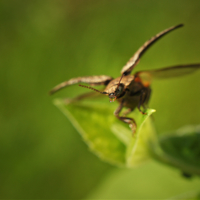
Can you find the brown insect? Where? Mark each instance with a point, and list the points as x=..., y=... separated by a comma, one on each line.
x=130, y=91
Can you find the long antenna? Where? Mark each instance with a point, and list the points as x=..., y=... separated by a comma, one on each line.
x=112, y=100
x=91, y=88
x=119, y=82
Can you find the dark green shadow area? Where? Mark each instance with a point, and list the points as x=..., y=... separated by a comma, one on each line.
x=181, y=149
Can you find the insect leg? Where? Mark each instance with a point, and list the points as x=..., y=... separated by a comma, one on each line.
x=129, y=110
x=126, y=120
x=144, y=98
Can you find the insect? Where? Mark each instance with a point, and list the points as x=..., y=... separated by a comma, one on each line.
x=131, y=91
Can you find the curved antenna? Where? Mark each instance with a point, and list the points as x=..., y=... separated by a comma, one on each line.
x=112, y=100
x=91, y=88
x=119, y=82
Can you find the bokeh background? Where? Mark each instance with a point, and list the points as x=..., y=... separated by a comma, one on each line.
x=43, y=43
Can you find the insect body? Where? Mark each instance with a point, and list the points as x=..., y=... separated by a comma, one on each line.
x=131, y=91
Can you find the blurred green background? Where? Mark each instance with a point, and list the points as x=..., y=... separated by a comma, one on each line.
x=43, y=43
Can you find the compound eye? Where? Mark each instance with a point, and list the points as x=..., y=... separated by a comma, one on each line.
x=119, y=89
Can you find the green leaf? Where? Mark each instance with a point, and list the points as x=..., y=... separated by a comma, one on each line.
x=108, y=137
x=192, y=195
x=138, y=151
x=180, y=149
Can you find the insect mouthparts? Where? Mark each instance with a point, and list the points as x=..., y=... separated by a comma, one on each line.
x=112, y=99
